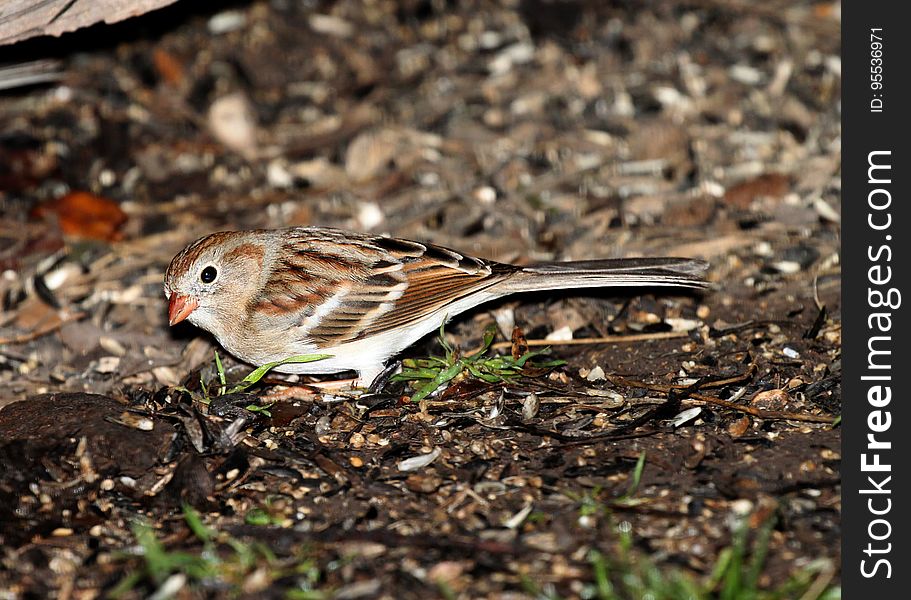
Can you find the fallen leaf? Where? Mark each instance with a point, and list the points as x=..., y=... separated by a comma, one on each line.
x=84, y=215
x=769, y=185
x=168, y=67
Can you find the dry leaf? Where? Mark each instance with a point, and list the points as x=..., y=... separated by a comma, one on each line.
x=85, y=215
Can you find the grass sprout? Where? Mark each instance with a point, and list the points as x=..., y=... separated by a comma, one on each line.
x=628, y=499
x=222, y=559
x=247, y=382
x=625, y=572
x=430, y=374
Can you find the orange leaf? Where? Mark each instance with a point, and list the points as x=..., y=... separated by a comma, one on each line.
x=169, y=68
x=85, y=215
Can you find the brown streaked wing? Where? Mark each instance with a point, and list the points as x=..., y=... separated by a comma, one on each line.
x=305, y=277
x=392, y=282
x=382, y=304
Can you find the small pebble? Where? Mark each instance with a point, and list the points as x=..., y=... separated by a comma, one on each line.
x=530, y=406
x=485, y=195
x=790, y=352
x=560, y=335
x=226, y=22
x=232, y=122
x=596, y=374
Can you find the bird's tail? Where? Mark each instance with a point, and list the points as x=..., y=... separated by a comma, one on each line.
x=639, y=272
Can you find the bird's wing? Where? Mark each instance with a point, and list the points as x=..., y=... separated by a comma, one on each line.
x=341, y=288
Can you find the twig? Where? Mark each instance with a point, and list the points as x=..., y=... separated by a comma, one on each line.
x=44, y=330
x=763, y=414
x=610, y=339
x=748, y=374
x=692, y=395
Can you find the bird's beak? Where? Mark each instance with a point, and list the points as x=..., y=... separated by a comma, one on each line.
x=180, y=307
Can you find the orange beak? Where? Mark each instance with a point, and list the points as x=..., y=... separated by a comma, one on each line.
x=180, y=307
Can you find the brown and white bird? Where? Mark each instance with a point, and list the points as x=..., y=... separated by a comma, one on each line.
x=267, y=295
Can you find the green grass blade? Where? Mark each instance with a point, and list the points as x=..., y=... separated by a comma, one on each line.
x=221, y=372
x=760, y=550
x=637, y=474
x=152, y=551
x=479, y=374
x=260, y=372
x=411, y=374
x=489, y=334
x=732, y=579
x=126, y=585
x=522, y=360
x=446, y=345
x=442, y=377
x=601, y=572
x=263, y=409
x=194, y=522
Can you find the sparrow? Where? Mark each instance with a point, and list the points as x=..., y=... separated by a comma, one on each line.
x=267, y=295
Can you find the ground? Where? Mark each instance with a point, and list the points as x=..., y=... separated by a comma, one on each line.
x=687, y=431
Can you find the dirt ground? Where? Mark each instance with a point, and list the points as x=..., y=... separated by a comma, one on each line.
x=519, y=131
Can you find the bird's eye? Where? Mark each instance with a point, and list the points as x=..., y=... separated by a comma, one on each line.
x=208, y=274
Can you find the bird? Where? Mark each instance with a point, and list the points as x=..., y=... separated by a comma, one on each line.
x=269, y=294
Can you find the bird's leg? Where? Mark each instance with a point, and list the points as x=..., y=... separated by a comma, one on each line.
x=376, y=375
x=336, y=384
x=383, y=377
